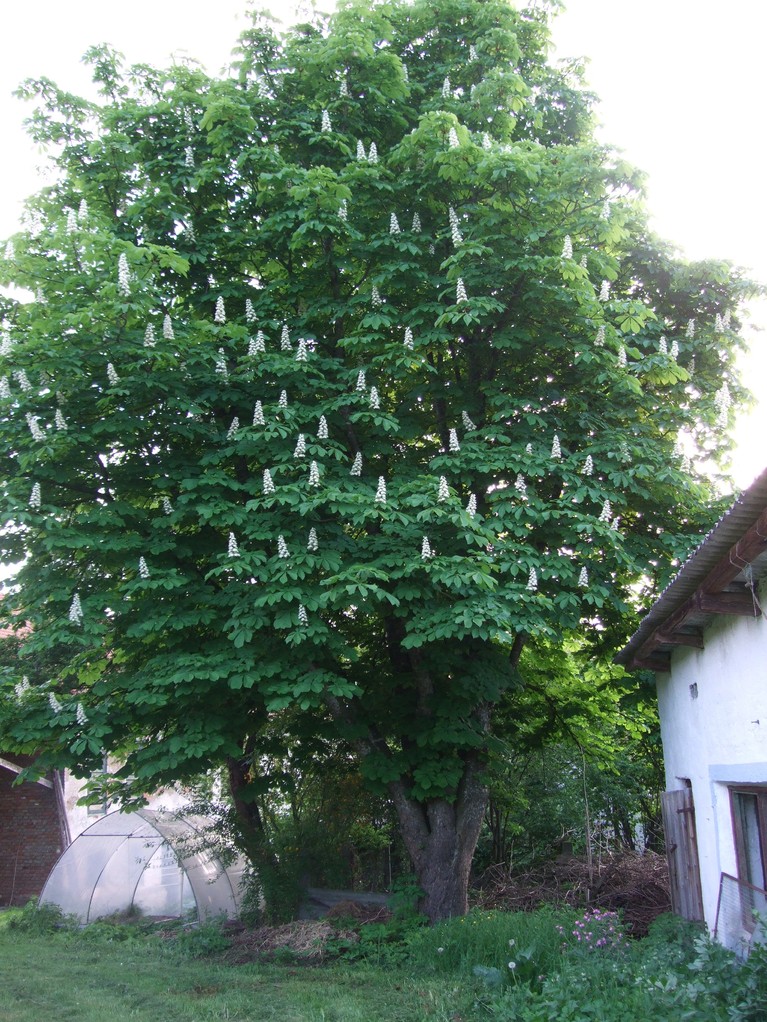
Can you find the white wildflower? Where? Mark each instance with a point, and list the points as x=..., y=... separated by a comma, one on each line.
x=604, y=291
x=380, y=497
x=394, y=227
x=588, y=466
x=300, y=451
x=282, y=548
x=232, y=432
x=326, y=124
x=471, y=506
x=268, y=482
x=35, y=497
x=80, y=715
x=53, y=702
x=356, y=469
x=149, y=338
x=425, y=549
x=460, y=292
x=416, y=227
x=567, y=248
x=452, y=443
x=143, y=568
x=375, y=401
x=556, y=449
x=452, y=139
x=76, y=610
x=373, y=153
x=283, y=399
x=303, y=618
x=123, y=275
x=322, y=428
x=314, y=474
x=607, y=512
x=302, y=352
x=583, y=578
x=258, y=414
x=312, y=544
x=250, y=312
x=167, y=328
x=219, y=316
x=61, y=422
x=521, y=486
x=532, y=581
x=408, y=338
x=443, y=493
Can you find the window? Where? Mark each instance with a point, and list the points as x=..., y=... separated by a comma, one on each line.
x=749, y=818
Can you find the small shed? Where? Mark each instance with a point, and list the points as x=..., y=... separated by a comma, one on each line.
x=706, y=640
x=153, y=861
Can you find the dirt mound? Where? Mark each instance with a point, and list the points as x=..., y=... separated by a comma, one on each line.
x=306, y=941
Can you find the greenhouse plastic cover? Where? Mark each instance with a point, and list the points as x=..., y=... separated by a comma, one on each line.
x=150, y=860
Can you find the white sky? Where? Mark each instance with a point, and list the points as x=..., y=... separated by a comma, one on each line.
x=680, y=82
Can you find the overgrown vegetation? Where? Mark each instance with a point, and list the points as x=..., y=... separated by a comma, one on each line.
x=501, y=966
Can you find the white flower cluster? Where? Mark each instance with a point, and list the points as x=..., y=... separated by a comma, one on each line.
x=471, y=506
x=167, y=328
x=567, y=248
x=604, y=291
x=375, y=401
x=123, y=275
x=487, y=142
x=407, y=340
x=53, y=702
x=556, y=448
x=300, y=451
x=282, y=548
x=80, y=715
x=532, y=581
x=663, y=346
x=453, y=444
x=221, y=367
x=675, y=350
x=34, y=429
x=312, y=543
x=322, y=428
x=314, y=474
x=250, y=312
x=257, y=344
x=380, y=497
x=467, y=423
x=302, y=351
x=361, y=384
x=443, y=492
x=521, y=486
x=76, y=610
x=606, y=513
x=583, y=578
x=188, y=156
x=588, y=466
x=167, y=507
x=303, y=618
x=452, y=139
x=258, y=414
x=622, y=359
x=268, y=482
x=373, y=153
x=447, y=91
x=143, y=568
x=343, y=210
x=282, y=401
x=356, y=469
x=22, y=379
x=35, y=497
x=5, y=389
x=326, y=125
x=460, y=292
x=455, y=231
x=232, y=549
x=690, y=331
x=375, y=297
x=394, y=227
x=219, y=315
x=599, y=340
x=722, y=404
x=426, y=551
x=416, y=226
x=285, y=344
x=232, y=431
x=149, y=338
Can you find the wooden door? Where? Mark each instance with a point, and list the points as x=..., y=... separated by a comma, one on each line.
x=682, y=853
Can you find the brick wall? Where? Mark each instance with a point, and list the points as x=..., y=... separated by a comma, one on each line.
x=30, y=836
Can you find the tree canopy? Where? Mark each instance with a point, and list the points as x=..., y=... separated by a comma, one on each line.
x=344, y=375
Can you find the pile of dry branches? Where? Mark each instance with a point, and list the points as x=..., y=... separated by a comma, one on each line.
x=635, y=885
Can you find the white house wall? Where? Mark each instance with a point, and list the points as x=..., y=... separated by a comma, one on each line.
x=713, y=712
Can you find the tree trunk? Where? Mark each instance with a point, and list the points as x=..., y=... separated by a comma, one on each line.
x=440, y=837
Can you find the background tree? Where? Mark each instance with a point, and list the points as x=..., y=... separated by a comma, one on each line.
x=344, y=375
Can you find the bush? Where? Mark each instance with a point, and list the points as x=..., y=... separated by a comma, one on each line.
x=38, y=919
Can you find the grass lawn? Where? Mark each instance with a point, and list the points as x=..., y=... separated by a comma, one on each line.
x=52, y=978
